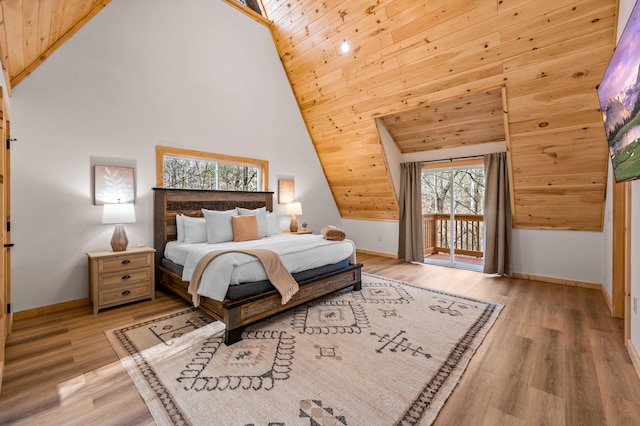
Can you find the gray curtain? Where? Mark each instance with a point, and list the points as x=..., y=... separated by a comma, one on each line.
x=410, y=245
x=497, y=215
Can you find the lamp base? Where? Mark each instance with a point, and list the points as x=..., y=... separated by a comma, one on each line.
x=293, y=226
x=119, y=241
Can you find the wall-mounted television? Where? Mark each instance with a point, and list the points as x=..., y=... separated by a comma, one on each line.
x=618, y=93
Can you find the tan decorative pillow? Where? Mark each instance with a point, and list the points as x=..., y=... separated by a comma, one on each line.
x=245, y=228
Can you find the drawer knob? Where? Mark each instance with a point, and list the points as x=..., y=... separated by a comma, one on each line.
x=124, y=293
x=126, y=277
x=126, y=262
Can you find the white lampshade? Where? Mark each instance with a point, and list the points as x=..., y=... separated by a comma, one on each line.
x=293, y=208
x=118, y=213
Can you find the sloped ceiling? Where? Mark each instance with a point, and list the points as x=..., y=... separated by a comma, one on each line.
x=424, y=68
x=549, y=55
x=462, y=121
x=31, y=30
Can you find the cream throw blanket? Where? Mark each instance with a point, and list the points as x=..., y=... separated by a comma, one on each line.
x=276, y=272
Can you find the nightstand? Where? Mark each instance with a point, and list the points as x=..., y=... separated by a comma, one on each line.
x=121, y=277
x=298, y=232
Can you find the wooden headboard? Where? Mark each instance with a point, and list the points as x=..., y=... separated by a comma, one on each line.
x=167, y=203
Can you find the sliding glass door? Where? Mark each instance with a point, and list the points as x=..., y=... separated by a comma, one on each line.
x=452, y=208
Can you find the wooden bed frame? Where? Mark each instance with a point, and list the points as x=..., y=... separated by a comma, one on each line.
x=236, y=314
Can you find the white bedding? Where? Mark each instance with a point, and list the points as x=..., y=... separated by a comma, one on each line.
x=297, y=252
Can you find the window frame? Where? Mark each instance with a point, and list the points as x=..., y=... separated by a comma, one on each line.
x=445, y=164
x=161, y=151
x=250, y=12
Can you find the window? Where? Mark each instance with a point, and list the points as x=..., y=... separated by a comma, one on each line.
x=251, y=8
x=188, y=169
x=252, y=4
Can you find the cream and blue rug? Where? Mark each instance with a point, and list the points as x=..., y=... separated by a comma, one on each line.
x=391, y=353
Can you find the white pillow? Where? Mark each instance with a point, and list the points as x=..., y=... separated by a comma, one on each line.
x=219, y=226
x=195, y=229
x=261, y=218
x=179, y=228
x=273, y=224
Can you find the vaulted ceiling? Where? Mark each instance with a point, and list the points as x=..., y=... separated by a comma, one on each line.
x=438, y=73
x=407, y=56
x=31, y=30
x=462, y=121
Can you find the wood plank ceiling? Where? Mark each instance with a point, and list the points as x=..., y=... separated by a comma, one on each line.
x=407, y=54
x=410, y=62
x=462, y=121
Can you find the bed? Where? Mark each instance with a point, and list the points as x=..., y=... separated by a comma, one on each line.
x=250, y=302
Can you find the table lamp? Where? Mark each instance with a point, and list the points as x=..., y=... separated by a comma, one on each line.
x=293, y=209
x=119, y=214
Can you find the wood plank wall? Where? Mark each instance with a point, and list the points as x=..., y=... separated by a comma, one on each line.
x=549, y=54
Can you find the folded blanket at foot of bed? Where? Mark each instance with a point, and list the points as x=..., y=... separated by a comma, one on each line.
x=277, y=273
x=333, y=233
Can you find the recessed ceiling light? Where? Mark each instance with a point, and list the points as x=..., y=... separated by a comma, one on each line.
x=344, y=47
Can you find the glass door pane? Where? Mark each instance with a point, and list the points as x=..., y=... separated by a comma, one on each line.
x=452, y=207
x=468, y=195
x=436, y=213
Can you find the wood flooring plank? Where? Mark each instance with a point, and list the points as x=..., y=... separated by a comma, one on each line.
x=548, y=363
x=546, y=408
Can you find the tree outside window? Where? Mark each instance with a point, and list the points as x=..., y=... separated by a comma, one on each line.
x=188, y=169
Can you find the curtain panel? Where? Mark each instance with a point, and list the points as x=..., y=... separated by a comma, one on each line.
x=410, y=245
x=497, y=215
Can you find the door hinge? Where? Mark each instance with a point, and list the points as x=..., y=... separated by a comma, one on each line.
x=8, y=308
x=9, y=143
x=8, y=226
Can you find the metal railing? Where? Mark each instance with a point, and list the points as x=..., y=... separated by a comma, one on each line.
x=467, y=232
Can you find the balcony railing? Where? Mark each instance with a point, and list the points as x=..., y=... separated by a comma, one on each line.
x=467, y=232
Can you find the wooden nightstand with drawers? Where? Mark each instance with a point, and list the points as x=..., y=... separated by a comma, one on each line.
x=121, y=277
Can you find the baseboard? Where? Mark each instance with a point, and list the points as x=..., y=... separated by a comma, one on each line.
x=375, y=253
x=634, y=356
x=572, y=283
x=607, y=299
x=558, y=281
x=35, y=312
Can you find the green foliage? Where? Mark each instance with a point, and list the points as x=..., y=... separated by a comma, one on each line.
x=620, y=129
x=626, y=163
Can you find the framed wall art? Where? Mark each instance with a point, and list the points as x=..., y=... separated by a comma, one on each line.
x=286, y=191
x=113, y=184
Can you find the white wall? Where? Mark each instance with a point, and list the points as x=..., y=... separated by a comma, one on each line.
x=391, y=151
x=373, y=235
x=635, y=265
x=3, y=84
x=607, y=235
x=144, y=73
x=569, y=255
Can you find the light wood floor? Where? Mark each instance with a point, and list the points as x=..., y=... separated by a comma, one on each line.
x=553, y=357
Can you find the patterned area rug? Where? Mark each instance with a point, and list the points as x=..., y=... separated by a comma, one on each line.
x=391, y=353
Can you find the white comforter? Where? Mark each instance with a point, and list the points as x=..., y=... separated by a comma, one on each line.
x=297, y=252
